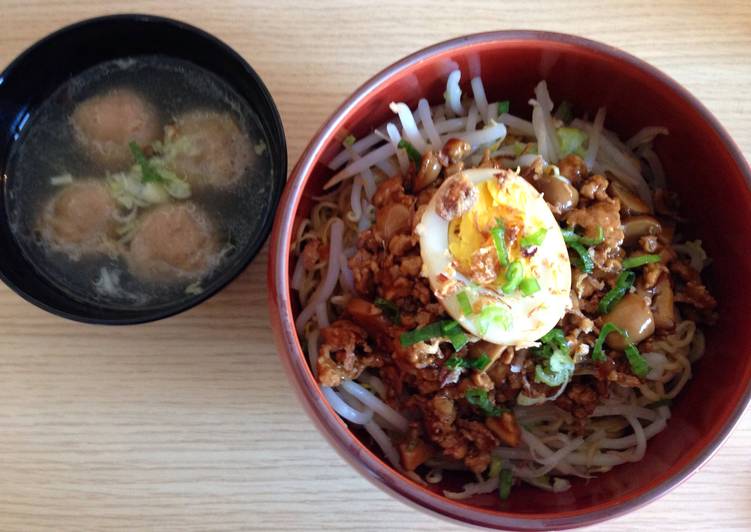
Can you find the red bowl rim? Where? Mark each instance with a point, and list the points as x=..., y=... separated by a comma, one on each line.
x=331, y=425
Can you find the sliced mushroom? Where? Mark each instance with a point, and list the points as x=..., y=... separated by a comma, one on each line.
x=662, y=304
x=633, y=315
x=430, y=169
x=630, y=202
x=561, y=196
x=393, y=219
x=573, y=168
x=456, y=149
x=635, y=227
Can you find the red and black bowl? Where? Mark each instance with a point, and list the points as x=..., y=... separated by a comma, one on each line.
x=704, y=167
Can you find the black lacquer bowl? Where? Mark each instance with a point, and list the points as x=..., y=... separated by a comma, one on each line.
x=40, y=70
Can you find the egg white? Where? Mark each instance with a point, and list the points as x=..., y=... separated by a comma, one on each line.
x=531, y=316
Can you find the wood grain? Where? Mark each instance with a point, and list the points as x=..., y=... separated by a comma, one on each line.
x=189, y=424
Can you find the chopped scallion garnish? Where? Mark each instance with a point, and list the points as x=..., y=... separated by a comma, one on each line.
x=534, y=239
x=148, y=173
x=494, y=315
x=529, y=286
x=555, y=367
x=453, y=331
x=412, y=152
x=389, y=309
x=503, y=106
x=349, y=140
x=430, y=331
x=641, y=260
x=505, y=482
x=585, y=261
x=495, y=467
x=448, y=328
x=498, y=233
x=514, y=276
x=596, y=241
x=480, y=363
x=464, y=303
x=479, y=398
x=638, y=363
x=598, y=355
x=622, y=284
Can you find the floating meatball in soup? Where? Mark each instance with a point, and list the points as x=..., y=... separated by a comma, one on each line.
x=104, y=125
x=208, y=148
x=172, y=242
x=78, y=220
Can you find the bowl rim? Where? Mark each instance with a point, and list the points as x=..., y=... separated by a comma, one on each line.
x=306, y=387
x=279, y=176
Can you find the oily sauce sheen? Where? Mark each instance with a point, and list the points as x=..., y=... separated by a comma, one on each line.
x=104, y=230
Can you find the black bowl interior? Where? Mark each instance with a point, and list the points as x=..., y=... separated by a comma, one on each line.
x=35, y=75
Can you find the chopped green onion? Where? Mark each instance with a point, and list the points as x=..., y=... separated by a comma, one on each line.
x=514, y=276
x=555, y=337
x=148, y=173
x=565, y=112
x=553, y=340
x=596, y=241
x=464, y=303
x=638, y=363
x=504, y=484
x=641, y=260
x=479, y=398
x=569, y=236
x=556, y=366
x=584, y=260
x=448, y=328
x=503, y=106
x=495, y=467
x=529, y=286
x=479, y=363
x=453, y=331
x=498, y=233
x=597, y=353
x=349, y=140
x=389, y=309
x=571, y=140
x=432, y=330
x=494, y=315
x=534, y=239
x=622, y=284
x=412, y=152
x=456, y=362
x=556, y=371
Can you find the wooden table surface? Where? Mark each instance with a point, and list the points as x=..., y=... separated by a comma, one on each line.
x=189, y=424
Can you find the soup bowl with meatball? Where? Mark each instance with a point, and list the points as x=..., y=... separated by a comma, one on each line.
x=141, y=176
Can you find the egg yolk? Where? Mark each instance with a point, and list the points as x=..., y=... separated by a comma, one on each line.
x=498, y=203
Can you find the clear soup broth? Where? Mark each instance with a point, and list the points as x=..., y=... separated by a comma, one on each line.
x=137, y=181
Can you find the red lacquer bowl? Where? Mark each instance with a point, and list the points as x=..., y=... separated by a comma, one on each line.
x=703, y=166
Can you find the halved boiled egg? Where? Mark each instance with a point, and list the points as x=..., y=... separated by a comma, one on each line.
x=495, y=256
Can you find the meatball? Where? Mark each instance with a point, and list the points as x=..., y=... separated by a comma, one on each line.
x=208, y=148
x=79, y=219
x=106, y=123
x=172, y=242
